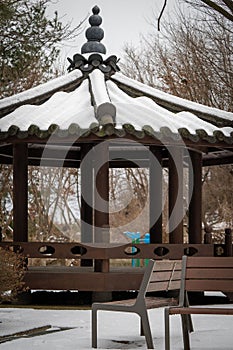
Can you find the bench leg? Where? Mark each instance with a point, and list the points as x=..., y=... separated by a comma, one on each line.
x=185, y=329
x=190, y=323
x=167, y=329
x=94, y=328
x=145, y=330
x=189, y=318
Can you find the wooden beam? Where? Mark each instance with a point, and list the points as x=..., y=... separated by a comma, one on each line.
x=175, y=193
x=156, y=185
x=195, y=206
x=20, y=192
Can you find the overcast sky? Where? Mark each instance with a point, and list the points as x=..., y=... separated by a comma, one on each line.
x=123, y=20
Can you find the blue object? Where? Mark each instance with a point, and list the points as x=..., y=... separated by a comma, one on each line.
x=136, y=238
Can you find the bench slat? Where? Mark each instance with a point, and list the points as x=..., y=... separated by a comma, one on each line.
x=209, y=285
x=164, y=265
x=163, y=286
x=165, y=276
x=199, y=262
x=200, y=274
x=216, y=273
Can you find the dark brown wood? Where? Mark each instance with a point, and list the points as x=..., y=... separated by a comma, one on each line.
x=208, y=238
x=102, y=265
x=20, y=192
x=87, y=191
x=155, y=189
x=101, y=200
x=83, y=279
x=228, y=241
x=146, y=140
x=209, y=273
x=199, y=275
x=214, y=274
x=76, y=250
x=137, y=158
x=209, y=262
x=175, y=195
x=59, y=277
x=195, y=207
x=101, y=190
x=201, y=311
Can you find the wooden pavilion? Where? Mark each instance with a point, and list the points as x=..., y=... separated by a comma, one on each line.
x=95, y=118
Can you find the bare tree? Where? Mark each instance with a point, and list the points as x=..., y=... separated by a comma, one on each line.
x=193, y=58
x=128, y=202
x=53, y=203
x=222, y=7
x=218, y=199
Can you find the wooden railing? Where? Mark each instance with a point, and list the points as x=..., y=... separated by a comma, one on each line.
x=97, y=272
x=114, y=251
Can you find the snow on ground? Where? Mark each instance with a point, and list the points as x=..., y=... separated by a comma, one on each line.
x=117, y=331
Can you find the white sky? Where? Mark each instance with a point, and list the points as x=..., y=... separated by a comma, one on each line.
x=123, y=20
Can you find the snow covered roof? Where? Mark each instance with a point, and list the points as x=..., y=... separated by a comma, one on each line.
x=94, y=98
x=81, y=105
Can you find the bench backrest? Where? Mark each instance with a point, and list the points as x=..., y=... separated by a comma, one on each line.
x=207, y=274
x=161, y=275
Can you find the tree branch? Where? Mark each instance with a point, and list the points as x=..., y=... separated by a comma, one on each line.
x=218, y=8
x=229, y=4
x=161, y=13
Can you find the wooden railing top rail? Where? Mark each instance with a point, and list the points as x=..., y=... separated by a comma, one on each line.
x=75, y=250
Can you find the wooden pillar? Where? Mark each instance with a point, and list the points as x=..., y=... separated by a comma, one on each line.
x=208, y=238
x=101, y=201
x=228, y=242
x=20, y=192
x=195, y=206
x=156, y=200
x=87, y=183
x=101, y=189
x=175, y=193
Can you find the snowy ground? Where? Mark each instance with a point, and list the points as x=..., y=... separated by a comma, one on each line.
x=117, y=331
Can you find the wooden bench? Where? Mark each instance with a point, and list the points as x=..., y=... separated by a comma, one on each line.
x=164, y=275
x=200, y=274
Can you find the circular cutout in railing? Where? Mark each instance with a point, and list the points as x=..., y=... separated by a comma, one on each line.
x=131, y=250
x=16, y=248
x=78, y=250
x=161, y=251
x=190, y=251
x=47, y=250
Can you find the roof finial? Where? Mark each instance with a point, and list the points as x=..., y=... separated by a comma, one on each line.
x=94, y=34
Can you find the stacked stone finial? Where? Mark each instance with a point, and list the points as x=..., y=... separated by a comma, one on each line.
x=94, y=34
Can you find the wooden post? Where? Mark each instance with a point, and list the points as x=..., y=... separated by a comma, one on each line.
x=87, y=183
x=156, y=200
x=101, y=212
x=228, y=241
x=175, y=193
x=195, y=206
x=101, y=199
x=208, y=239
x=20, y=192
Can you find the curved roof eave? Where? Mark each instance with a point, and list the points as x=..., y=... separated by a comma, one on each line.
x=79, y=106
x=40, y=93
x=173, y=103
